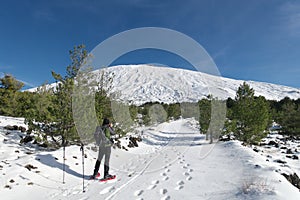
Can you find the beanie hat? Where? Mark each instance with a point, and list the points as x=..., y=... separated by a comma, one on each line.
x=105, y=121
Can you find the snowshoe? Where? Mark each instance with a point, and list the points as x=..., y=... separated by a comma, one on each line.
x=107, y=178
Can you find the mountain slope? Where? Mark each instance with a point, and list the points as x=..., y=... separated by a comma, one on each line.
x=145, y=83
x=139, y=84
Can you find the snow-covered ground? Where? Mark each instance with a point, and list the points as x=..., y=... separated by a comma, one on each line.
x=173, y=161
x=139, y=84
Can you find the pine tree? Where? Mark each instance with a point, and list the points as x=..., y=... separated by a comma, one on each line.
x=251, y=115
x=173, y=110
x=205, y=117
x=9, y=87
x=64, y=125
x=288, y=116
x=40, y=114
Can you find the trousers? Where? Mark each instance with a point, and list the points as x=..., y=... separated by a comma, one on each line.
x=103, y=151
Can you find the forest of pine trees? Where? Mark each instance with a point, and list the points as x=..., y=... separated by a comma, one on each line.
x=48, y=112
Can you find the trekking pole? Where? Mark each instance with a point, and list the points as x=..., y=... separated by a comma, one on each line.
x=82, y=152
x=64, y=160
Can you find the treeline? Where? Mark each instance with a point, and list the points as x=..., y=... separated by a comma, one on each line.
x=50, y=118
x=246, y=117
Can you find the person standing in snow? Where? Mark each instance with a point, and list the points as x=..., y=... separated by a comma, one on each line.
x=103, y=139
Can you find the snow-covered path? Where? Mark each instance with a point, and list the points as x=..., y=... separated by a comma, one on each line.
x=173, y=162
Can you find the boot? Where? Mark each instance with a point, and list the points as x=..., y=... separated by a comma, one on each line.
x=106, y=171
x=96, y=174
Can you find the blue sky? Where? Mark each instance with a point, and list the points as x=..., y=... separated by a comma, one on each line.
x=250, y=40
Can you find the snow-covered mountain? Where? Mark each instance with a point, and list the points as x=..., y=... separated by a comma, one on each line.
x=146, y=83
x=139, y=84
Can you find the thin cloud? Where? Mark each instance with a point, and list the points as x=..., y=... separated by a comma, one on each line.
x=2, y=74
x=46, y=15
x=290, y=17
x=27, y=83
x=5, y=67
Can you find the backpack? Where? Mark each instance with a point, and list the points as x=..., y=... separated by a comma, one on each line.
x=100, y=137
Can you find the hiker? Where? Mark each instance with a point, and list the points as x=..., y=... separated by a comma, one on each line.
x=103, y=139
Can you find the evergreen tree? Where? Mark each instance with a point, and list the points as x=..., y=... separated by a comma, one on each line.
x=64, y=124
x=9, y=88
x=8, y=82
x=289, y=116
x=251, y=115
x=40, y=114
x=212, y=117
x=173, y=110
x=205, y=116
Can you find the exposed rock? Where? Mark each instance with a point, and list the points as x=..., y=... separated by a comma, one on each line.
x=131, y=145
x=15, y=128
x=7, y=186
x=133, y=141
x=118, y=143
x=22, y=129
x=26, y=139
x=225, y=138
x=273, y=143
x=280, y=161
x=124, y=148
x=30, y=167
x=257, y=166
x=289, y=151
x=293, y=179
x=11, y=128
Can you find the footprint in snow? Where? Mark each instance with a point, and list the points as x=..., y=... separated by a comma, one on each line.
x=84, y=198
x=66, y=193
x=186, y=174
x=180, y=182
x=165, y=178
x=179, y=187
x=77, y=191
x=166, y=198
x=188, y=178
x=138, y=192
x=151, y=187
x=190, y=170
x=107, y=190
x=163, y=191
x=163, y=174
